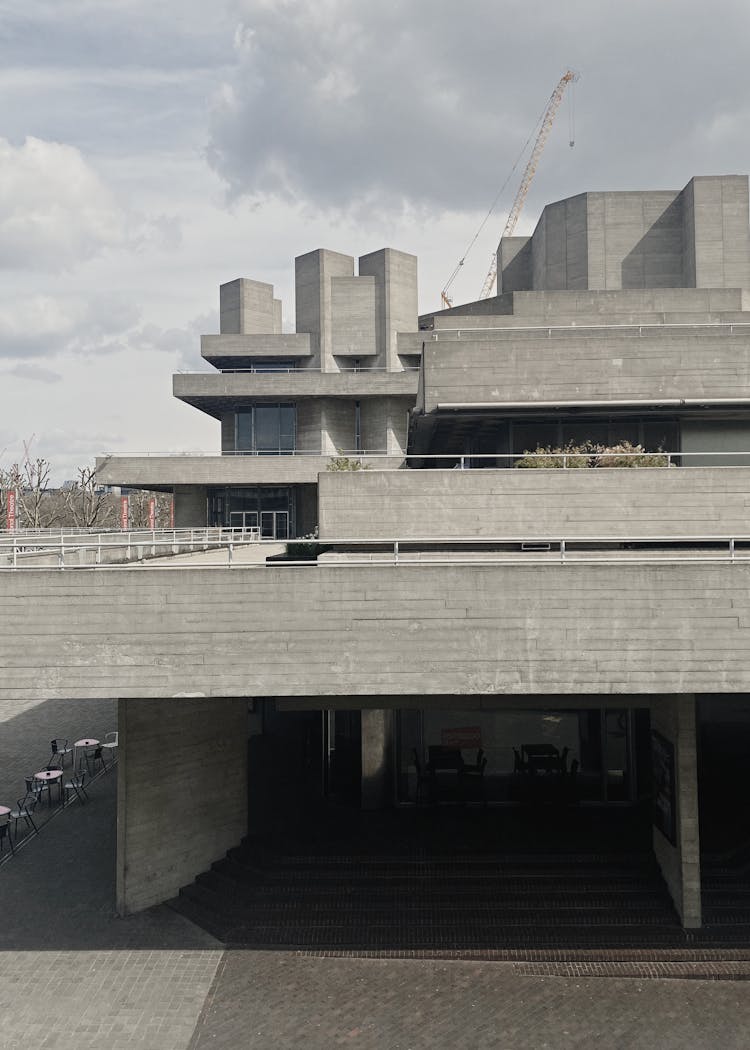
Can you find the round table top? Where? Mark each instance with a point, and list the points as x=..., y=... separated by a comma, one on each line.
x=4, y=810
x=86, y=743
x=48, y=774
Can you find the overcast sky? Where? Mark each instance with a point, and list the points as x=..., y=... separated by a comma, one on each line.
x=150, y=151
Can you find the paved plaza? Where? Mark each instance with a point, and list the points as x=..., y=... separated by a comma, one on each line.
x=73, y=974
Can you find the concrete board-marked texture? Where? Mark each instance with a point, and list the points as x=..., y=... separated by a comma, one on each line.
x=370, y=629
x=696, y=238
x=182, y=793
x=674, y=719
x=656, y=501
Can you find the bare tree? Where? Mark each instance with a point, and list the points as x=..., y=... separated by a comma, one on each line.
x=32, y=478
x=87, y=503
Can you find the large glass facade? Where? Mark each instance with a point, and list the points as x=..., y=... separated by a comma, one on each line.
x=269, y=509
x=589, y=754
x=266, y=429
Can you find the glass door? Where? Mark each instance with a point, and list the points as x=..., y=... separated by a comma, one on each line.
x=244, y=519
x=274, y=525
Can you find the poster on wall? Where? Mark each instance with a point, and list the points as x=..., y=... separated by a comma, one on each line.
x=665, y=795
x=463, y=736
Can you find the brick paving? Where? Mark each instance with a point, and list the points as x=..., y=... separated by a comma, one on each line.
x=285, y=1001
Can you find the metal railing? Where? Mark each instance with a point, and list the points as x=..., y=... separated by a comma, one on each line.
x=457, y=460
x=433, y=334
x=302, y=370
x=374, y=551
x=22, y=547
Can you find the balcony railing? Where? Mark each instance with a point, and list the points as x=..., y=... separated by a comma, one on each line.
x=453, y=460
x=25, y=552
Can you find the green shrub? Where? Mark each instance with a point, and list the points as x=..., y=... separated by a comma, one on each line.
x=345, y=463
x=589, y=454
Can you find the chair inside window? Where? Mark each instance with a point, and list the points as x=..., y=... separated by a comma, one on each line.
x=472, y=779
x=24, y=811
x=76, y=786
x=425, y=780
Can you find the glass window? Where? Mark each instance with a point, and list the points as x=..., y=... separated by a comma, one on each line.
x=661, y=436
x=266, y=428
x=244, y=431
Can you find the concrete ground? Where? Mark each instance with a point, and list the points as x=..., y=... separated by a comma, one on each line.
x=73, y=974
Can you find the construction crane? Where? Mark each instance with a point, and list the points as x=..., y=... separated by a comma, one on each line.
x=545, y=126
x=547, y=121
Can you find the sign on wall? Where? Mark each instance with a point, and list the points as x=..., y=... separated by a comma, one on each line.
x=171, y=513
x=152, y=513
x=464, y=736
x=123, y=512
x=665, y=794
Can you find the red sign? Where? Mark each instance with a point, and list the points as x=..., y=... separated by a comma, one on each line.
x=10, y=510
x=466, y=736
x=152, y=513
x=123, y=512
x=171, y=513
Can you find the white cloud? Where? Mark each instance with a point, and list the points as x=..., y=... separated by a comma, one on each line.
x=54, y=209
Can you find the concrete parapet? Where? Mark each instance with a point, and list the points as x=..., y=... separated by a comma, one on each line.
x=603, y=365
x=601, y=502
x=166, y=472
x=228, y=351
x=370, y=630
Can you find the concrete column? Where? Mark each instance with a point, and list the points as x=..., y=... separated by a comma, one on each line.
x=248, y=308
x=377, y=758
x=674, y=718
x=190, y=506
x=181, y=793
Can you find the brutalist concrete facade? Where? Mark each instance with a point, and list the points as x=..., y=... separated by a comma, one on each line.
x=625, y=317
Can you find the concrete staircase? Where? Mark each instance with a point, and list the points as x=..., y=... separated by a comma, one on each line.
x=260, y=897
x=725, y=882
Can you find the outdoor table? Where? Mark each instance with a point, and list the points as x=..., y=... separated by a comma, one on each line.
x=50, y=777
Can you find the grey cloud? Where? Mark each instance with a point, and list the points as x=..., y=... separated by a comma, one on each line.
x=426, y=103
x=36, y=373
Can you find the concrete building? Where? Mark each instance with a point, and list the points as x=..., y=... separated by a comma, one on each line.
x=583, y=629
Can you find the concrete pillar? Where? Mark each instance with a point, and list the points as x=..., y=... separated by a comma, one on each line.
x=313, y=274
x=248, y=308
x=190, y=506
x=674, y=719
x=377, y=758
x=396, y=307
x=181, y=793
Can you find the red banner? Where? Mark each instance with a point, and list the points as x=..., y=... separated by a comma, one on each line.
x=152, y=513
x=466, y=736
x=171, y=513
x=10, y=510
x=123, y=512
